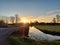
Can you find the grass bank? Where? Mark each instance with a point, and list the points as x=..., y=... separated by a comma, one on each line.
x=49, y=29
x=27, y=41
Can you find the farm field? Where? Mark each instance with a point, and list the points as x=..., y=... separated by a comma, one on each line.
x=55, y=28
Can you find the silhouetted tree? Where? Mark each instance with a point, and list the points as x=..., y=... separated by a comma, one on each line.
x=57, y=17
x=36, y=22
x=2, y=23
x=16, y=16
x=54, y=20
x=12, y=19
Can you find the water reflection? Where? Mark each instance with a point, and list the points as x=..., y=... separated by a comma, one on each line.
x=38, y=35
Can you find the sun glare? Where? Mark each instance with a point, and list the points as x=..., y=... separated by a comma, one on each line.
x=25, y=21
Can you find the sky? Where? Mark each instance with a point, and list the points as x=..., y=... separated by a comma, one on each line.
x=36, y=8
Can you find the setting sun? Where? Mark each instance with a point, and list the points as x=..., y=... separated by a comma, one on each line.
x=25, y=21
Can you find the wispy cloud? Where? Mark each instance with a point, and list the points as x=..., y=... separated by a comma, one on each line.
x=53, y=12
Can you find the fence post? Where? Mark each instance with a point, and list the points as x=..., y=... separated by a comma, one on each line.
x=24, y=30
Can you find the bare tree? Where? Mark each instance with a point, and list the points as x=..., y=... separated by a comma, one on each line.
x=16, y=16
x=57, y=17
x=12, y=19
x=54, y=20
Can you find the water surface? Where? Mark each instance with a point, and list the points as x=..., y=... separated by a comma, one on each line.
x=38, y=35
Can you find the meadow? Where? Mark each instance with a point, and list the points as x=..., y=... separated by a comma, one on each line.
x=55, y=28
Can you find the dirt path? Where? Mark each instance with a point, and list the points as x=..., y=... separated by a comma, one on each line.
x=4, y=34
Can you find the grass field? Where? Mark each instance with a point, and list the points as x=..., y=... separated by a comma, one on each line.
x=49, y=27
x=27, y=41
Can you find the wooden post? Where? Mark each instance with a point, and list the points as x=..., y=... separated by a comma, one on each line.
x=24, y=30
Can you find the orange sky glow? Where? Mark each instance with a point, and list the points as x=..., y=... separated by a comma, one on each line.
x=39, y=19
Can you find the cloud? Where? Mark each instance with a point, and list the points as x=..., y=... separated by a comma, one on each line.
x=53, y=12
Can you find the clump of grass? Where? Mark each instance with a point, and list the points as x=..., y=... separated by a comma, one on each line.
x=20, y=40
x=15, y=40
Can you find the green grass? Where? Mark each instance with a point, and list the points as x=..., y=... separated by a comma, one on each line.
x=49, y=27
x=27, y=41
